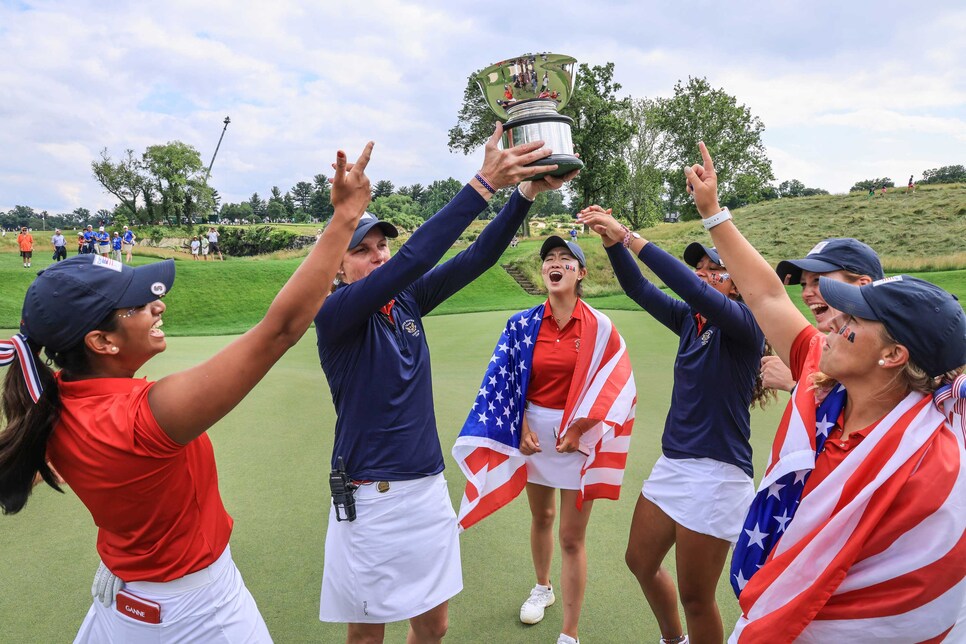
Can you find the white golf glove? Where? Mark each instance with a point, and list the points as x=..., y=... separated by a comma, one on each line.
x=105, y=586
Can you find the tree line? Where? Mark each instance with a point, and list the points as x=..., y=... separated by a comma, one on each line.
x=634, y=151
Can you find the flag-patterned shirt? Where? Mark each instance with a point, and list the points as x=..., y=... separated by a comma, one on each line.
x=602, y=388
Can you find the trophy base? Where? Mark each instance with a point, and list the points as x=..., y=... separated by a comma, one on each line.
x=565, y=163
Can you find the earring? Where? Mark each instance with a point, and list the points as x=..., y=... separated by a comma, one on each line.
x=881, y=363
x=113, y=349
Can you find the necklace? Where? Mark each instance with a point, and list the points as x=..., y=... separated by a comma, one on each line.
x=562, y=322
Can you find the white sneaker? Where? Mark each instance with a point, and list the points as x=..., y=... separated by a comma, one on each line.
x=532, y=610
x=566, y=639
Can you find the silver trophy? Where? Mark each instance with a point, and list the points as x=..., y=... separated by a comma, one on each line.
x=528, y=92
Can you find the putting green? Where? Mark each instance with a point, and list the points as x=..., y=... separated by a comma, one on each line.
x=273, y=453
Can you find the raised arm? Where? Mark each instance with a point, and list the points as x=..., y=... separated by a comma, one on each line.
x=448, y=278
x=187, y=403
x=660, y=305
x=353, y=304
x=762, y=291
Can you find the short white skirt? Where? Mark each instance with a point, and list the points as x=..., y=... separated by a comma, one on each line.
x=548, y=466
x=701, y=494
x=210, y=605
x=397, y=560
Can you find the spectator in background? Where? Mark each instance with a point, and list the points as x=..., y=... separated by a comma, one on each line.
x=103, y=242
x=60, y=246
x=573, y=234
x=89, y=241
x=116, y=246
x=195, y=247
x=204, y=247
x=81, y=244
x=127, y=242
x=912, y=184
x=213, y=243
x=26, y=243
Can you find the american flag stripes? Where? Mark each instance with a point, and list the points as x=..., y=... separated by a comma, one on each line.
x=876, y=551
x=487, y=449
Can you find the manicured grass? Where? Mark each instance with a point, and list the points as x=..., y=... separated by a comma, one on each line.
x=273, y=453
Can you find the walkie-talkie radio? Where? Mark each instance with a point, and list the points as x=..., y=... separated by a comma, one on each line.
x=343, y=490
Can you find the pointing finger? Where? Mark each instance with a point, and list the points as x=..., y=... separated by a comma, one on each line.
x=364, y=157
x=706, y=156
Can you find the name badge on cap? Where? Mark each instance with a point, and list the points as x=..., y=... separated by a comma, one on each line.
x=100, y=260
x=818, y=248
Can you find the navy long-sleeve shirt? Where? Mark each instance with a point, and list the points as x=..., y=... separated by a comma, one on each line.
x=715, y=369
x=379, y=373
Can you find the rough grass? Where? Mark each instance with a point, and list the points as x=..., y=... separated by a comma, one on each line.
x=273, y=453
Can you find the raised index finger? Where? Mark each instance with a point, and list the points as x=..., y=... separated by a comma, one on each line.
x=706, y=156
x=364, y=157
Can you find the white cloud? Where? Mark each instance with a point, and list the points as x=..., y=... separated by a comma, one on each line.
x=843, y=88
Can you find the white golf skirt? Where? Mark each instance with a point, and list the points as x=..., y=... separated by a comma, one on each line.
x=701, y=494
x=210, y=605
x=398, y=559
x=548, y=466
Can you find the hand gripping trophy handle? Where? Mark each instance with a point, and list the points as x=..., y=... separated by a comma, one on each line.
x=528, y=92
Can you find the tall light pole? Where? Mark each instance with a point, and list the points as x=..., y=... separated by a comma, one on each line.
x=223, y=130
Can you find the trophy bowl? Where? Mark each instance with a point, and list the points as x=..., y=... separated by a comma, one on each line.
x=528, y=92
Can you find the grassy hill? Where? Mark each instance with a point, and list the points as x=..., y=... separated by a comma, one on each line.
x=924, y=232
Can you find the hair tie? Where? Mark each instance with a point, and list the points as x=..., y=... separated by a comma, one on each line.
x=16, y=348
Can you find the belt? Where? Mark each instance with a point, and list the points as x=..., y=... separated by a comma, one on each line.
x=381, y=486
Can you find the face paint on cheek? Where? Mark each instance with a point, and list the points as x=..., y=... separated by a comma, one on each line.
x=568, y=267
x=720, y=278
x=847, y=332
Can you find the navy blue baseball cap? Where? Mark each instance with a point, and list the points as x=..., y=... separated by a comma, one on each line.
x=558, y=242
x=366, y=222
x=922, y=317
x=835, y=254
x=695, y=251
x=72, y=297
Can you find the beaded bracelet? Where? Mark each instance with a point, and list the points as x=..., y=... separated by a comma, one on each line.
x=485, y=183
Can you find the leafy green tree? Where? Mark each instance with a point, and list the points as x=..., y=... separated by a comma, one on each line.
x=416, y=192
x=601, y=132
x=382, y=188
x=791, y=188
x=945, y=174
x=397, y=209
x=699, y=112
x=177, y=172
x=548, y=203
x=289, y=202
x=474, y=123
x=320, y=206
x=259, y=208
x=302, y=194
x=276, y=210
x=438, y=194
x=872, y=184
x=640, y=201
x=125, y=179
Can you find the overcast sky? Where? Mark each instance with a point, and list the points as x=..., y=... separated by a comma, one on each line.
x=846, y=90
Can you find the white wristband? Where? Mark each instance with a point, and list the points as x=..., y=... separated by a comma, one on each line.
x=524, y=195
x=714, y=220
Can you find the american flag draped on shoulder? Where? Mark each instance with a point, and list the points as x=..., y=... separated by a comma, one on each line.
x=850, y=562
x=487, y=449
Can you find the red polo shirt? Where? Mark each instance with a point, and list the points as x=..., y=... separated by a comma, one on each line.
x=554, y=360
x=156, y=503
